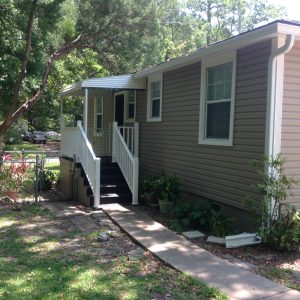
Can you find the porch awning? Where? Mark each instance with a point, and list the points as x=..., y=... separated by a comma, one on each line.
x=121, y=82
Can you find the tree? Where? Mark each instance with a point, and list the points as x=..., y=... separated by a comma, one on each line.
x=221, y=19
x=111, y=28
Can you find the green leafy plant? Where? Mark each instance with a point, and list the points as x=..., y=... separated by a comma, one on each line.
x=201, y=214
x=13, y=134
x=46, y=180
x=279, y=221
x=148, y=186
x=13, y=175
x=166, y=188
x=220, y=225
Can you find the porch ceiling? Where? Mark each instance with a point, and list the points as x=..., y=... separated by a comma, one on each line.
x=96, y=85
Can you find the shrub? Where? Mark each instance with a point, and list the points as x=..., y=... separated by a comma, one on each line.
x=13, y=134
x=280, y=223
x=203, y=215
x=12, y=178
x=46, y=180
x=163, y=187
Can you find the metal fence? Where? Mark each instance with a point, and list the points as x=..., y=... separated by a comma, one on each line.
x=28, y=175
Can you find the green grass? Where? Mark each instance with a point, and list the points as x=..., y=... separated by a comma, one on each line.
x=22, y=146
x=283, y=276
x=32, y=268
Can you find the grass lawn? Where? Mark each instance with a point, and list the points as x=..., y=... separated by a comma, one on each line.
x=23, y=146
x=44, y=257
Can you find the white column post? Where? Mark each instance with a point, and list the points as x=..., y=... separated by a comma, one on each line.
x=97, y=184
x=62, y=119
x=86, y=92
x=136, y=139
x=135, y=188
x=114, y=128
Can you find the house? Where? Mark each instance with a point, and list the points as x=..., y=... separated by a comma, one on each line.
x=203, y=116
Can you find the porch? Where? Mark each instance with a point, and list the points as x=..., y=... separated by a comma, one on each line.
x=108, y=132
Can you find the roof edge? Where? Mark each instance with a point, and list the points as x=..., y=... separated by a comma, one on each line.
x=241, y=40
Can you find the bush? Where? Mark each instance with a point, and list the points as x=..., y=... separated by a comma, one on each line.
x=13, y=134
x=284, y=233
x=46, y=180
x=163, y=187
x=280, y=227
x=203, y=215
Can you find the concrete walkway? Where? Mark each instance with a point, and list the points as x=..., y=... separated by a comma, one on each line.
x=183, y=255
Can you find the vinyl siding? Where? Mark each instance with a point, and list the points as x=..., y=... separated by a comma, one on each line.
x=102, y=144
x=290, y=138
x=171, y=146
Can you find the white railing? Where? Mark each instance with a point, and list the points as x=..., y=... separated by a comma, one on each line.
x=75, y=142
x=130, y=135
x=100, y=140
x=128, y=163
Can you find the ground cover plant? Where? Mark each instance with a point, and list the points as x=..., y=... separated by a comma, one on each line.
x=44, y=257
x=201, y=214
x=278, y=221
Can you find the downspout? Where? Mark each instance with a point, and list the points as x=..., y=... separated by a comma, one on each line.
x=273, y=100
x=274, y=103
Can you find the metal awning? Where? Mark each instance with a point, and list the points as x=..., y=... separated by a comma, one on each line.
x=121, y=82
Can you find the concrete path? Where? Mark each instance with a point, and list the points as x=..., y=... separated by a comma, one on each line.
x=183, y=255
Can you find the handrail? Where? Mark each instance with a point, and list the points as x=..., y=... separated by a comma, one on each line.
x=124, y=143
x=90, y=167
x=75, y=142
x=128, y=164
x=87, y=142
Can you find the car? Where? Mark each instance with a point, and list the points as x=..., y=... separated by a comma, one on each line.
x=26, y=135
x=38, y=137
x=52, y=135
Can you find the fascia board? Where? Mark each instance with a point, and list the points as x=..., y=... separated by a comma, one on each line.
x=289, y=29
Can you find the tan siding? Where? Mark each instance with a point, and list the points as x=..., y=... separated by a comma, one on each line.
x=290, y=139
x=101, y=144
x=171, y=146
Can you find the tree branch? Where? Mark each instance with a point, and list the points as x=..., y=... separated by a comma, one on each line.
x=25, y=59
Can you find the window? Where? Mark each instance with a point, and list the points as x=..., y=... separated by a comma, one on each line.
x=154, y=104
x=130, y=106
x=98, y=117
x=217, y=101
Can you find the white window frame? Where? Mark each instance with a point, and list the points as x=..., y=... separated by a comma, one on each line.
x=206, y=64
x=151, y=79
x=96, y=133
x=126, y=107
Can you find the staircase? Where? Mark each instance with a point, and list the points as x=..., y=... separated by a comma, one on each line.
x=113, y=188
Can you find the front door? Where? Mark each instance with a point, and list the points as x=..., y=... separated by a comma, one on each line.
x=119, y=109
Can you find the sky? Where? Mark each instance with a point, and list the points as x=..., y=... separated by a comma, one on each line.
x=293, y=8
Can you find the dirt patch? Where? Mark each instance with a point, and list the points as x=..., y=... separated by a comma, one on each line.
x=51, y=146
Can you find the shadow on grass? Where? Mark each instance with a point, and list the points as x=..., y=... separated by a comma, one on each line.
x=62, y=273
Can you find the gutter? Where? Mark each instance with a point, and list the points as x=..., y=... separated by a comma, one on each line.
x=275, y=96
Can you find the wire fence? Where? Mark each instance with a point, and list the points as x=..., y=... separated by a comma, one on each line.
x=27, y=175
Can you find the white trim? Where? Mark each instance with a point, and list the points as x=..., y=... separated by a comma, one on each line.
x=275, y=94
x=125, y=100
x=154, y=78
x=207, y=63
x=86, y=109
x=126, y=106
x=96, y=133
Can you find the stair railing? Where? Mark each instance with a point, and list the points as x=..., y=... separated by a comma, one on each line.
x=128, y=163
x=75, y=142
